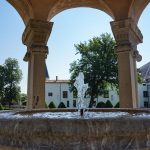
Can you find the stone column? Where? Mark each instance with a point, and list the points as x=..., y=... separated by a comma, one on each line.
x=35, y=37
x=127, y=36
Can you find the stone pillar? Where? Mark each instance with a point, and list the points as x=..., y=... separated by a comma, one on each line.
x=35, y=37
x=127, y=36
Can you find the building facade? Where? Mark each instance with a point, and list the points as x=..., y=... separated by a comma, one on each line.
x=144, y=88
x=58, y=91
x=144, y=95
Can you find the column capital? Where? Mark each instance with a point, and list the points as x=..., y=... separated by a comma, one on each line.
x=37, y=32
x=35, y=49
x=126, y=33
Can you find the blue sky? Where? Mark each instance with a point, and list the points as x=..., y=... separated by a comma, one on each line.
x=70, y=27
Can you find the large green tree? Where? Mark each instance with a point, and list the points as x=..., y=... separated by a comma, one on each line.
x=2, y=76
x=11, y=75
x=98, y=62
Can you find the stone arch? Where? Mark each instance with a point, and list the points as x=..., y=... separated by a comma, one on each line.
x=62, y=5
x=24, y=9
x=137, y=8
x=36, y=15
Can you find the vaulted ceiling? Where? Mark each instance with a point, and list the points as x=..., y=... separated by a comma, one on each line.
x=46, y=9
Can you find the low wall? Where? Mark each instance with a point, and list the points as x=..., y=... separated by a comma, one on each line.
x=29, y=133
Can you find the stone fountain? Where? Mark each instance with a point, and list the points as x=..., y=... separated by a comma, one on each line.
x=124, y=129
x=64, y=129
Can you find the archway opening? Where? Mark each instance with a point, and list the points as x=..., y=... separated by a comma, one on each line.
x=11, y=30
x=144, y=65
x=71, y=27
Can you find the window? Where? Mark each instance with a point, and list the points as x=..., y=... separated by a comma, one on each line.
x=145, y=93
x=50, y=94
x=144, y=84
x=67, y=103
x=74, y=103
x=146, y=104
x=85, y=95
x=106, y=94
x=65, y=94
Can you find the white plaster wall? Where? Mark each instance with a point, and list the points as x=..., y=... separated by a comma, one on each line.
x=57, y=90
x=142, y=99
x=113, y=97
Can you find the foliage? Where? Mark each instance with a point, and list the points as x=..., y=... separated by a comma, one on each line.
x=139, y=78
x=61, y=105
x=98, y=62
x=52, y=105
x=46, y=106
x=23, y=99
x=108, y=104
x=10, y=77
x=2, y=83
x=100, y=105
x=117, y=105
x=1, y=107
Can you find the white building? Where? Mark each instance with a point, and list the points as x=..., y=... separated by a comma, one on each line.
x=58, y=91
x=111, y=95
x=144, y=89
x=144, y=95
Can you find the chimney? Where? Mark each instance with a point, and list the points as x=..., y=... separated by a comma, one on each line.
x=56, y=78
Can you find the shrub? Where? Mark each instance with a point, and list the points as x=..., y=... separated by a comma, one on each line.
x=61, y=105
x=1, y=107
x=117, y=105
x=108, y=104
x=100, y=105
x=51, y=105
x=46, y=105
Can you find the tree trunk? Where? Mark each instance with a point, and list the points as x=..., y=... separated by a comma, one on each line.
x=91, y=101
x=9, y=105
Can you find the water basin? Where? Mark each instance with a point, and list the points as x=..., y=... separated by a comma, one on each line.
x=64, y=129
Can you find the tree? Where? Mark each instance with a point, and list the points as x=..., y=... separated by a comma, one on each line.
x=1, y=107
x=12, y=78
x=2, y=76
x=139, y=78
x=98, y=62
